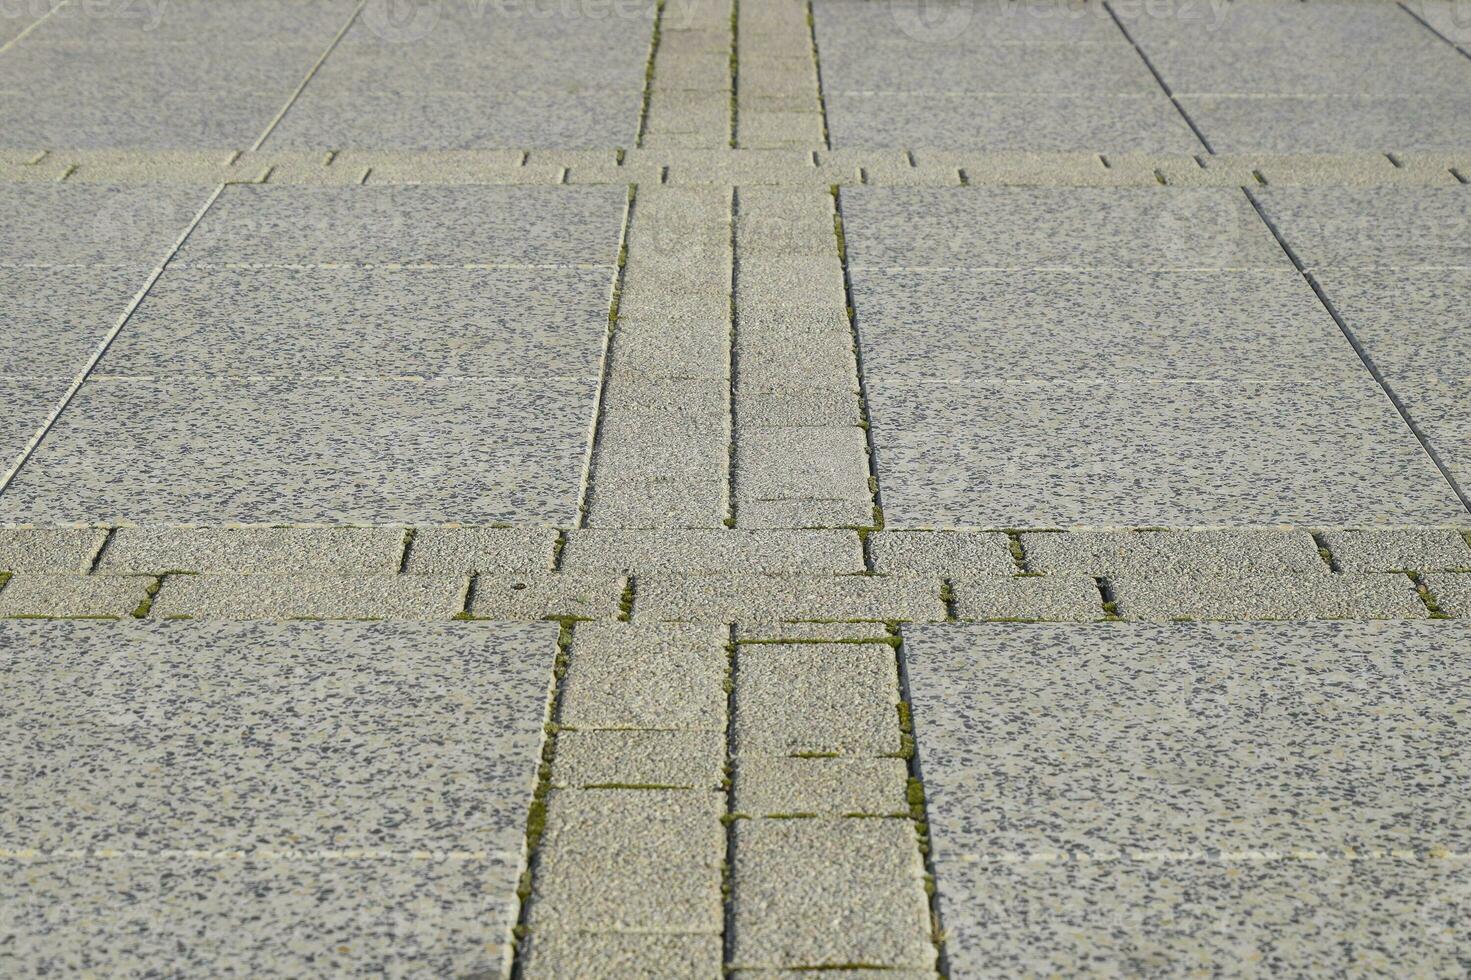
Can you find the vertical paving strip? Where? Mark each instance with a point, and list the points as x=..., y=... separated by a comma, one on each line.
x=689, y=88
x=777, y=95
x=801, y=453
x=662, y=451
x=628, y=875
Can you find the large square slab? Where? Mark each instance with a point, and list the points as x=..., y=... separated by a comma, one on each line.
x=1161, y=326
x=1051, y=227
x=281, y=451
x=355, y=322
x=1369, y=227
x=410, y=224
x=85, y=224
x=277, y=796
x=1151, y=798
x=983, y=454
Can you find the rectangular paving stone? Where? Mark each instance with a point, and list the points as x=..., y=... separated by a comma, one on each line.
x=723, y=550
x=824, y=698
x=246, y=550
x=49, y=549
x=639, y=759
x=619, y=860
x=895, y=63
x=1407, y=321
x=439, y=550
x=1452, y=591
x=409, y=225
x=1330, y=124
x=943, y=553
x=540, y=595
x=93, y=224
x=821, y=787
x=1400, y=549
x=1038, y=123
x=61, y=315
x=1018, y=455
x=983, y=25
x=316, y=596
x=134, y=119
x=1242, y=751
x=41, y=594
x=281, y=451
x=242, y=851
x=26, y=405
x=777, y=464
x=723, y=598
x=810, y=632
x=350, y=322
x=1049, y=227
x=798, y=513
x=820, y=893
x=659, y=505
x=552, y=952
x=623, y=675
x=1027, y=597
x=1373, y=227
x=1133, y=325
x=1232, y=551
x=1268, y=596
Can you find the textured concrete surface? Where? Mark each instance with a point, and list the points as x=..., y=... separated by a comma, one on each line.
x=764, y=363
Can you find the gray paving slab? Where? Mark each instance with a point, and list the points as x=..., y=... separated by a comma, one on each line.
x=58, y=316
x=1053, y=123
x=1135, y=325
x=349, y=322
x=277, y=550
x=211, y=451
x=1027, y=597
x=1211, y=798
x=1268, y=596
x=902, y=64
x=717, y=550
x=542, y=595
x=817, y=893
x=1439, y=408
x=1415, y=63
x=94, y=224
x=276, y=853
x=944, y=553
x=965, y=26
x=1275, y=26
x=1452, y=591
x=102, y=67
x=1017, y=455
x=195, y=23
x=516, y=69
x=1232, y=551
x=63, y=596
x=804, y=513
x=639, y=676
x=1380, y=227
x=621, y=860
x=27, y=404
x=414, y=120
x=1399, y=549
x=1408, y=322
x=1048, y=227
x=216, y=119
x=618, y=955
x=816, y=698
x=821, y=787
x=1329, y=124
x=320, y=596
x=409, y=225
x=670, y=759
x=726, y=598
x=438, y=550
x=49, y=549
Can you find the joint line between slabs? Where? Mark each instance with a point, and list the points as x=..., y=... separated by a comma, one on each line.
x=102, y=347
x=31, y=27
x=840, y=236
x=827, y=140
x=1164, y=86
x=655, y=35
x=1429, y=27
x=312, y=73
x=1364, y=357
x=732, y=364
x=727, y=929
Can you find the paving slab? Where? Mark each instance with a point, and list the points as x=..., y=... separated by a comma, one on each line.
x=51, y=549
x=1407, y=549
x=543, y=595
x=215, y=119
x=241, y=550
x=61, y=596
x=1233, y=805
x=902, y=64
x=816, y=698
x=94, y=224
x=1394, y=227
x=944, y=553
x=1026, y=597
x=1452, y=592
x=438, y=550
x=1137, y=454
x=1048, y=227
x=1408, y=321
x=550, y=952
x=141, y=831
x=1350, y=595
x=725, y=598
x=59, y=316
x=724, y=550
x=639, y=676
x=668, y=759
x=818, y=893
x=832, y=787
x=1232, y=551
x=27, y=404
x=208, y=451
x=321, y=596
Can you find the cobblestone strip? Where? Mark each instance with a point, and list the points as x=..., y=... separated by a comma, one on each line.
x=628, y=876
x=777, y=93
x=691, y=77
x=801, y=452
x=828, y=870
x=661, y=457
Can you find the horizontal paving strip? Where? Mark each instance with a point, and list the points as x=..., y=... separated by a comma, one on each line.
x=781, y=165
x=802, y=584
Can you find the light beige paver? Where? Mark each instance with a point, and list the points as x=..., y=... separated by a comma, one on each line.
x=310, y=597
x=49, y=549
x=677, y=759
x=1163, y=552
x=642, y=676
x=445, y=550
x=1417, y=549
x=276, y=551
x=723, y=550
x=1266, y=596
x=945, y=553
x=833, y=787
x=816, y=698
x=716, y=598
x=42, y=594
x=544, y=595
x=1038, y=597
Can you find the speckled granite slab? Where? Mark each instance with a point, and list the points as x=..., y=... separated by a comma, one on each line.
x=361, y=787
x=1158, y=799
